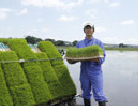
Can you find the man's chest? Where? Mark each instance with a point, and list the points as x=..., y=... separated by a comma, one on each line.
x=84, y=44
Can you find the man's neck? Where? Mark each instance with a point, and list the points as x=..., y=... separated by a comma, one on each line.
x=88, y=37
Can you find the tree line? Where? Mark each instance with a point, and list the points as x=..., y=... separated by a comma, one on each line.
x=32, y=39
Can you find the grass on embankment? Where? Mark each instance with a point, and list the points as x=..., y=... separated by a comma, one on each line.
x=123, y=49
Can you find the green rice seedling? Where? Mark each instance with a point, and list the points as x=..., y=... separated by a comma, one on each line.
x=84, y=52
x=38, y=85
x=65, y=79
x=45, y=78
x=4, y=40
x=50, y=77
x=32, y=69
x=13, y=72
x=5, y=97
x=15, y=76
x=22, y=95
x=22, y=49
x=61, y=70
x=51, y=50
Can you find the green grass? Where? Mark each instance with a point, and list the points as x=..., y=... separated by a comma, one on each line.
x=61, y=70
x=33, y=71
x=5, y=97
x=122, y=49
x=84, y=52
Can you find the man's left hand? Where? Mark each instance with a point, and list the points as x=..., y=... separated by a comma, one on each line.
x=96, y=60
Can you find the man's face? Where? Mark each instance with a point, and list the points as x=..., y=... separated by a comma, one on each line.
x=88, y=30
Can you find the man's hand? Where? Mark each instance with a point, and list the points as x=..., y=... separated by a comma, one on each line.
x=70, y=61
x=96, y=60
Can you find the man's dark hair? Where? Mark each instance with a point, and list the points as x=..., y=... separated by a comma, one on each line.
x=91, y=27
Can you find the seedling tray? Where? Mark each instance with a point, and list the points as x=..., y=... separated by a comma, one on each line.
x=81, y=59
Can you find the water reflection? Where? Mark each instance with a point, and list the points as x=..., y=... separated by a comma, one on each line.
x=120, y=78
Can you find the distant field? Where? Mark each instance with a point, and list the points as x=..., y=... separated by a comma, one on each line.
x=120, y=49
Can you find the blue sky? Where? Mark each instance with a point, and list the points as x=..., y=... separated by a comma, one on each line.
x=115, y=21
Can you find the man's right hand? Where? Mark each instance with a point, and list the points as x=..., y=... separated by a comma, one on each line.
x=96, y=60
x=70, y=61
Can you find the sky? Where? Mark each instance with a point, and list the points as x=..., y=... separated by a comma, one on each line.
x=115, y=21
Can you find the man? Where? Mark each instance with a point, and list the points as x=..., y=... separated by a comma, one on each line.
x=91, y=76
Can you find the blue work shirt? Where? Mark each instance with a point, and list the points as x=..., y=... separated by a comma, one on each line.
x=90, y=66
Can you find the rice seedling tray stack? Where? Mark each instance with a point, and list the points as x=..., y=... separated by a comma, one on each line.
x=5, y=97
x=61, y=70
x=34, y=83
x=50, y=77
x=33, y=71
x=16, y=80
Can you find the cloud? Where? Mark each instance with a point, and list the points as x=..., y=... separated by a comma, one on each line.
x=106, y=1
x=34, y=31
x=42, y=3
x=40, y=20
x=100, y=29
x=44, y=30
x=94, y=1
x=114, y=4
x=66, y=18
x=92, y=13
x=51, y=3
x=127, y=22
x=3, y=13
x=23, y=11
x=30, y=31
x=70, y=5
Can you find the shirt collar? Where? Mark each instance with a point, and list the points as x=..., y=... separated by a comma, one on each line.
x=88, y=40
